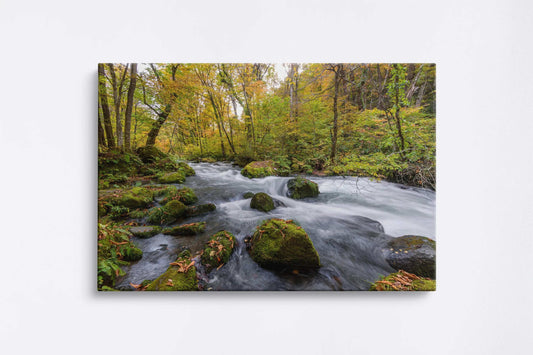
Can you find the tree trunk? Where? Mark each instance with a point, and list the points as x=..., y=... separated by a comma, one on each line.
x=101, y=137
x=102, y=93
x=156, y=126
x=117, y=98
x=338, y=73
x=129, y=106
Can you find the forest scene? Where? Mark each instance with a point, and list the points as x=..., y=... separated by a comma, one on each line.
x=259, y=176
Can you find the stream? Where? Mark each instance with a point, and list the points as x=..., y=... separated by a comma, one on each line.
x=348, y=223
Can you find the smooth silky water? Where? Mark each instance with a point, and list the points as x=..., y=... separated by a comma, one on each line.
x=348, y=223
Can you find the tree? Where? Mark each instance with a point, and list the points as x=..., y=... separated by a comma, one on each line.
x=129, y=106
x=102, y=94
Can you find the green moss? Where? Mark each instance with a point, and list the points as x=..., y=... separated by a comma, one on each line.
x=113, y=164
x=301, y=188
x=137, y=197
x=145, y=283
x=248, y=194
x=150, y=154
x=145, y=231
x=186, y=169
x=118, y=212
x=278, y=244
x=172, y=178
x=186, y=229
x=259, y=169
x=408, y=282
x=169, y=213
x=131, y=254
x=200, y=209
x=411, y=242
x=185, y=195
x=218, y=250
x=138, y=214
x=262, y=202
x=176, y=278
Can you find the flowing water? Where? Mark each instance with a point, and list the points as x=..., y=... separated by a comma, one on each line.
x=348, y=223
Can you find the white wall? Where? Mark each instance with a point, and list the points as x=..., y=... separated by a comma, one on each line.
x=48, y=55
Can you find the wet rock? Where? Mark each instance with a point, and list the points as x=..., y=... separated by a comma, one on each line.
x=278, y=203
x=169, y=213
x=279, y=244
x=145, y=231
x=248, y=194
x=185, y=195
x=180, y=276
x=172, y=178
x=301, y=188
x=414, y=254
x=186, y=229
x=200, y=209
x=262, y=202
x=259, y=169
x=218, y=250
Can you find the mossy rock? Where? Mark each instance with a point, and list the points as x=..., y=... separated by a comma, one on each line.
x=185, y=169
x=278, y=244
x=150, y=154
x=186, y=229
x=259, y=169
x=176, y=177
x=179, y=277
x=412, y=253
x=301, y=188
x=169, y=213
x=137, y=197
x=262, y=202
x=402, y=281
x=145, y=231
x=218, y=250
x=200, y=209
x=248, y=194
x=185, y=195
x=131, y=253
x=138, y=214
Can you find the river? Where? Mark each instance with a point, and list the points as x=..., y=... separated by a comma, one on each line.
x=347, y=223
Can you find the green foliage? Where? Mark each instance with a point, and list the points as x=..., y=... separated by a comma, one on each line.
x=113, y=244
x=172, y=178
x=185, y=195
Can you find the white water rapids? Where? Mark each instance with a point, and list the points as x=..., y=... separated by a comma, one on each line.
x=345, y=222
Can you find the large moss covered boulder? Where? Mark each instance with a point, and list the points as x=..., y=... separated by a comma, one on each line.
x=279, y=244
x=169, y=213
x=176, y=177
x=262, y=202
x=180, y=276
x=150, y=154
x=218, y=250
x=301, y=188
x=414, y=254
x=403, y=281
x=185, y=195
x=137, y=197
x=186, y=229
x=259, y=169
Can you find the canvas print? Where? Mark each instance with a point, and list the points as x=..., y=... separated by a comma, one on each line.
x=266, y=177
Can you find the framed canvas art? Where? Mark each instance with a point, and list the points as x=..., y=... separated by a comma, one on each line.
x=266, y=177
